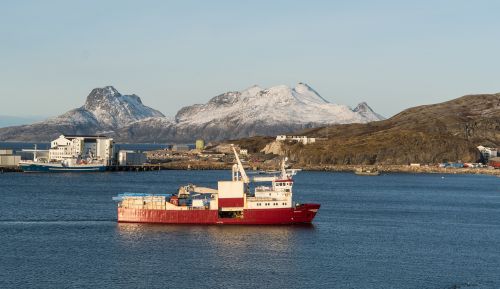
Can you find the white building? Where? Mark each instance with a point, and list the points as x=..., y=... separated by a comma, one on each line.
x=301, y=138
x=487, y=153
x=98, y=148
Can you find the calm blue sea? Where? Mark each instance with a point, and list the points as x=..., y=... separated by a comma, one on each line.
x=391, y=231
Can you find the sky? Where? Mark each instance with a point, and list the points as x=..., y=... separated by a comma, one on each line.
x=391, y=54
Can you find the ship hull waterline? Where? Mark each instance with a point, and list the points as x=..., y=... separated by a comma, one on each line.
x=32, y=168
x=302, y=214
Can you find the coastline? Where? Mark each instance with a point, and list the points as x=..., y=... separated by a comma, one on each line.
x=327, y=168
x=403, y=169
x=335, y=168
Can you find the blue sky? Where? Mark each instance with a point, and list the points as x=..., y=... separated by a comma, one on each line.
x=392, y=54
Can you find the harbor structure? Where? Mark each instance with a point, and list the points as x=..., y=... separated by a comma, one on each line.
x=97, y=147
x=73, y=153
x=8, y=159
x=487, y=153
x=131, y=158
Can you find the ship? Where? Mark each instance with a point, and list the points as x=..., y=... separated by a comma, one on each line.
x=71, y=153
x=232, y=203
x=67, y=165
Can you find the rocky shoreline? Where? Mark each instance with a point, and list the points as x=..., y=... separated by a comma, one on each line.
x=403, y=169
x=332, y=168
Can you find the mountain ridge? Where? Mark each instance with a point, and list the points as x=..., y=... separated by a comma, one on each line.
x=252, y=111
x=105, y=109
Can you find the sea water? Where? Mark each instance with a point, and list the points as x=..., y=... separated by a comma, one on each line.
x=389, y=231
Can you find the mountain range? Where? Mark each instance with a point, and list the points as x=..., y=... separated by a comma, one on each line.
x=236, y=114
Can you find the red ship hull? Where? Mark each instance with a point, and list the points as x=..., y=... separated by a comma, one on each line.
x=301, y=214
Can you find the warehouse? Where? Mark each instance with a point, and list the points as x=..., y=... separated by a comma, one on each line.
x=8, y=159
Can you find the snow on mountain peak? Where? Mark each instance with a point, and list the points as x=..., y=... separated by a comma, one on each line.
x=99, y=95
x=252, y=111
x=363, y=106
x=305, y=93
x=364, y=109
x=251, y=91
x=112, y=109
x=277, y=104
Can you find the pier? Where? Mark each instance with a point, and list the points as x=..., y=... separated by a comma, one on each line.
x=136, y=168
x=9, y=169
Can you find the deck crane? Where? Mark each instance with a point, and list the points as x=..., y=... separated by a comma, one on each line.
x=238, y=170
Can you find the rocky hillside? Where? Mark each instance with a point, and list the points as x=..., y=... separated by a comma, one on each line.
x=448, y=131
x=237, y=114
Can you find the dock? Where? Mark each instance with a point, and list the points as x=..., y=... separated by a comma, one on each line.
x=10, y=169
x=147, y=167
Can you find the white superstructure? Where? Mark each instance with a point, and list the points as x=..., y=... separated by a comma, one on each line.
x=277, y=195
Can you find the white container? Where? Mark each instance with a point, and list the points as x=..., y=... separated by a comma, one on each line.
x=197, y=203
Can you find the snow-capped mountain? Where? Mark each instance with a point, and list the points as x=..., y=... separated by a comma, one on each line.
x=366, y=111
x=253, y=111
x=104, y=111
x=107, y=109
x=278, y=104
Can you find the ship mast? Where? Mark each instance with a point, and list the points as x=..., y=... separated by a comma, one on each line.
x=284, y=175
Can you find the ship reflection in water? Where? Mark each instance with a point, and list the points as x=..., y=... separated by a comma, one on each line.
x=225, y=241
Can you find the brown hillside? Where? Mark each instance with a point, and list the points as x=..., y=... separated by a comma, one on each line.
x=448, y=131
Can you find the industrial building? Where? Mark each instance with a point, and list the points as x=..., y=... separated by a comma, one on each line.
x=131, y=158
x=8, y=159
x=302, y=139
x=200, y=144
x=182, y=147
x=82, y=146
x=487, y=153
